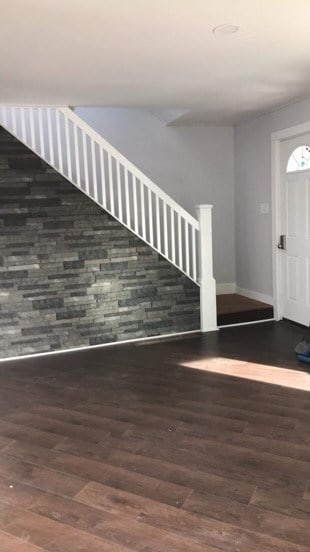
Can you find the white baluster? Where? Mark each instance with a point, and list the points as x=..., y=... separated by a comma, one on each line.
x=59, y=142
x=23, y=125
x=151, y=229
x=111, y=184
x=102, y=177
x=32, y=130
x=50, y=137
x=158, y=225
x=172, y=235
x=186, y=249
x=94, y=170
x=166, y=251
x=119, y=191
x=4, y=116
x=68, y=149
x=142, y=197
x=85, y=162
x=180, y=242
x=14, y=122
x=135, y=203
x=77, y=155
x=127, y=199
x=41, y=134
x=194, y=254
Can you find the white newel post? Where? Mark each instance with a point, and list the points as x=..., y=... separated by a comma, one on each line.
x=208, y=318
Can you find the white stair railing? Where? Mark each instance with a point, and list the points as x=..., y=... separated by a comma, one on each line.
x=89, y=162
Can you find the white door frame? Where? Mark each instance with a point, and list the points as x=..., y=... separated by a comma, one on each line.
x=276, y=139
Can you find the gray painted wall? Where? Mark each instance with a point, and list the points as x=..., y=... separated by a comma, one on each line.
x=72, y=276
x=253, y=186
x=192, y=164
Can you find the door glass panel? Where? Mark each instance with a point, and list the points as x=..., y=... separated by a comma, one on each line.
x=299, y=159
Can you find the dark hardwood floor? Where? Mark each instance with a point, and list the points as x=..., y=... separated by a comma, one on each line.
x=174, y=446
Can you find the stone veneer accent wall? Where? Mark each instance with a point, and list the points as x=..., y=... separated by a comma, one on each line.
x=72, y=276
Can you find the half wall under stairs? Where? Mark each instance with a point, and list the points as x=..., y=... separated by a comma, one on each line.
x=70, y=274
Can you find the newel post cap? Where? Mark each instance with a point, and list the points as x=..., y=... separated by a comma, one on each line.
x=204, y=206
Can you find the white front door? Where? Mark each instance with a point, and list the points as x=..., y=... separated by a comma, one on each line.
x=294, y=240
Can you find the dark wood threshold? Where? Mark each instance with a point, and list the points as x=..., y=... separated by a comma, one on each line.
x=237, y=309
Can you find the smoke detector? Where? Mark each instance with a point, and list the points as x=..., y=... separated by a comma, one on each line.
x=225, y=29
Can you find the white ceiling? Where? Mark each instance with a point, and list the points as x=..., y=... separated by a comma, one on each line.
x=156, y=54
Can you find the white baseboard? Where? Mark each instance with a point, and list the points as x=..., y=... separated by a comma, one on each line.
x=246, y=323
x=137, y=340
x=255, y=295
x=224, y=289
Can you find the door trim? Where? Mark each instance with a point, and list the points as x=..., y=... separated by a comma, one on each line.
x=276, y=139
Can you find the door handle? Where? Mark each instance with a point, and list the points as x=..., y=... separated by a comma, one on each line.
x=282, y=242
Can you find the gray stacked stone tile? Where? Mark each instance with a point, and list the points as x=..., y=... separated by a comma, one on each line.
x=70, y=274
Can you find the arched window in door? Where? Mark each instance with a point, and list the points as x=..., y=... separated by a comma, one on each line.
x=299, y=159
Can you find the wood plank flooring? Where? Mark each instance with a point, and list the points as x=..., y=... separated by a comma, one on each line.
x=129, y=449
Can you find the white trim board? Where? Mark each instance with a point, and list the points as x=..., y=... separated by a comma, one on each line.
x=89, y=347
x=255, y=295
x=224, y=289
x=246, y=323
x=276, y=139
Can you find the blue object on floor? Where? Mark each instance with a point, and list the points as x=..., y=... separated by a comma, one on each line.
x=304, y=358
x=303, y=347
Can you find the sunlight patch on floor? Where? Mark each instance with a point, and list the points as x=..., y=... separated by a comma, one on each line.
x=265, y=373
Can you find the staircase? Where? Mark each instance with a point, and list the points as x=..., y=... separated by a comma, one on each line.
x=72, y=148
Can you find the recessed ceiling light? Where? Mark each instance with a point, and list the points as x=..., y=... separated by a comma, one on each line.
x=225, y=29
